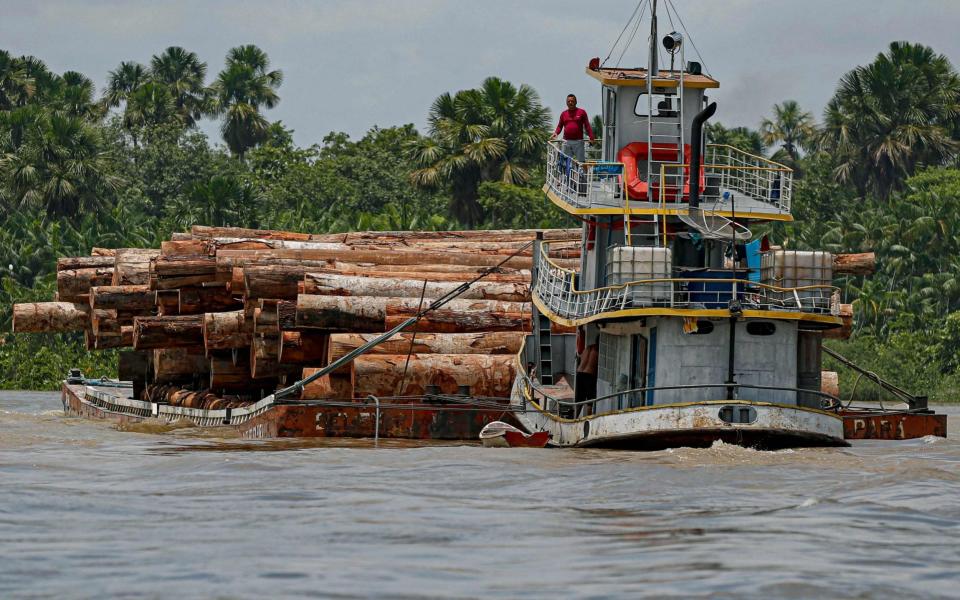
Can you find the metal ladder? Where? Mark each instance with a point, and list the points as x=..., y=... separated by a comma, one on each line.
x=544, y=350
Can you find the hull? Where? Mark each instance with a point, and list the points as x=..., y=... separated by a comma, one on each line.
x=695, y=425
x=308, y=420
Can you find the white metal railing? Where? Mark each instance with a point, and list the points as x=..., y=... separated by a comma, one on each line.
x=730, y=169
x=588, y=184
x=730, y=176
x=556, y=288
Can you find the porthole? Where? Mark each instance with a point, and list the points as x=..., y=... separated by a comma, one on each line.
x=761, y=328
x=738, y=414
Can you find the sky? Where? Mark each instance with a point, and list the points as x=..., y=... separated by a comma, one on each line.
x=349, y=65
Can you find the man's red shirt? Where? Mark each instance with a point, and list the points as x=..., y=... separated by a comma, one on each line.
x=573, y=123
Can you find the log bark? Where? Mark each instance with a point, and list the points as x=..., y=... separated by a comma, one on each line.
x=74, y=284
x=167, y=332
x=50, y=317
x=174, y=272
x=125, y=298
x=132, y=266
x=854, y=264
x=201, y=231
x=304, y=348
x=225, y=331
x=168, y=302
x=364, y=314
x=286, y=315
x=265, y=358
x=265, y=319
x=85, y=262
x=336, y=385
x=103, y=342
x=227, y=374
x=207, y=298
x=383, y=375
x=830, y=383
x=342, y=285
x=396, y=257
x=516, y=276
x=501, y=342
x=104, y=322
x=180, y=365
x=274, y=281
x=846, y=330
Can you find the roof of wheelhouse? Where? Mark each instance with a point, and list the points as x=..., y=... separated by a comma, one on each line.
x=638, y=77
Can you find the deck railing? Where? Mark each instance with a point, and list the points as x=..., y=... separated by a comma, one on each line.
x=597, y=184
x=556, y=288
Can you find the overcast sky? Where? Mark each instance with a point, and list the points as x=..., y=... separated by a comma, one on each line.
x=352, y=64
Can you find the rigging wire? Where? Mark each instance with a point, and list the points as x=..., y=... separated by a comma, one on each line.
x=633, y=34
x=622, y=31
x=689, y=37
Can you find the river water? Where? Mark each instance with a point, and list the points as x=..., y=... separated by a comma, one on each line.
x=88, y=511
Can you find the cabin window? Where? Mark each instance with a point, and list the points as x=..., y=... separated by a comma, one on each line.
x=663, y=105
x=761, y=328
x=703, y=328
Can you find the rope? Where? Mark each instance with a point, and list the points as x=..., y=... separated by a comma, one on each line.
x=633, y=34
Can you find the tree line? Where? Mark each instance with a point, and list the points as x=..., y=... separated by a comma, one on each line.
x=125, y=165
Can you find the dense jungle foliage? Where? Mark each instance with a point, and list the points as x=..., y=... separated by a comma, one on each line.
x=127, y=166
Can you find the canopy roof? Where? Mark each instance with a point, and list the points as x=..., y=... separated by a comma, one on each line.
x=638, y=77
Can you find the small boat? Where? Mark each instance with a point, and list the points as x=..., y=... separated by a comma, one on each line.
x=503, y=435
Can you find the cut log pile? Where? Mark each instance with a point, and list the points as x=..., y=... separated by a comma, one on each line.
x=219, y=317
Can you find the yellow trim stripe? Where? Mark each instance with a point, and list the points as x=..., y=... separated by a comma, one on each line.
x=686, y=312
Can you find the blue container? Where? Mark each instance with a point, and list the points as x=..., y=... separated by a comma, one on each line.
x=714, y=294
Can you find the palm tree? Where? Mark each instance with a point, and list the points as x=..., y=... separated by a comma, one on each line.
x=184, y=73
x=244, y=86
x=891, y=116
x=495, y=132
x=790, y=126
x=16, y=85
x=743, y=138
x=122, y=82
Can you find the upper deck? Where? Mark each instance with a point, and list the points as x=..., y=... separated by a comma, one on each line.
x=733, y=183
x=637, y=77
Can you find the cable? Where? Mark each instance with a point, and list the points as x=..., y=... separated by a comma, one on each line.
x=633, y=34
x=622, y=31
x=689, y=37
x=413, y=339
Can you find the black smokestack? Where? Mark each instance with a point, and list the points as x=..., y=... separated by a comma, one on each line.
x=696, y=138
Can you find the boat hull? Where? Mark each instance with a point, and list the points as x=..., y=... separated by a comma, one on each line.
x=697, y=424
x=309, y=420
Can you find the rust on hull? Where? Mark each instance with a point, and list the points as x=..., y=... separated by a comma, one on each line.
x=892, y=425
x=405, y=421
x=759, y=439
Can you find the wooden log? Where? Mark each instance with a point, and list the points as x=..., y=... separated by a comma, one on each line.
x=103, y=251
x=132, y=266
x=484, y=374
x=830, y=383
x=125, y=298
x=396, y=257
x=304, y=348
x=104, y=342
x=49, y=317
x=167, y=332
x=272, y=281
x=200, y=231
x=229, y=374
x=85, y=262
x=225, y=331
x=104, y=322
x=239, y=232
x=168, y=302
x=186, y=247
x=516, y=276
x=180, y=271
x=216, y=297
x=497, y=342
x=846, y=330
x=265, y=318
x=180, y=365
x=286, y=315
x=365, y=314
x=863, y=263
x=337, y=385
x=342, y=285
x=74, y=284
x=265, y=358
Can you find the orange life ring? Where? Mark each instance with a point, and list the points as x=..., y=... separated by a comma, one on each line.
x=638, y=189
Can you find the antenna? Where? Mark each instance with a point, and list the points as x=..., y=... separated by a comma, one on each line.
x=654, y=68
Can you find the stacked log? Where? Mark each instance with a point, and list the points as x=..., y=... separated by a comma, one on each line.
x=221, y=316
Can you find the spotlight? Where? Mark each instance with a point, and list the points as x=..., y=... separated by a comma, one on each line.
x=672, y=42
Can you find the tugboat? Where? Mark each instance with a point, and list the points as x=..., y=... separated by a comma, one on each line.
x=690, y=331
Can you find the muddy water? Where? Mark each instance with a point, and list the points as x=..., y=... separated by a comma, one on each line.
x=87, y=511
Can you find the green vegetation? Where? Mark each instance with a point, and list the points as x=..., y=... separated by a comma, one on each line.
x=128, y=166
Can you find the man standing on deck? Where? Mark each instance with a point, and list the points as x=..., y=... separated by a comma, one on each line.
x=573, y=122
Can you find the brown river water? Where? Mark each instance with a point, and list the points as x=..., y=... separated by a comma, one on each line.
x=87, y=511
